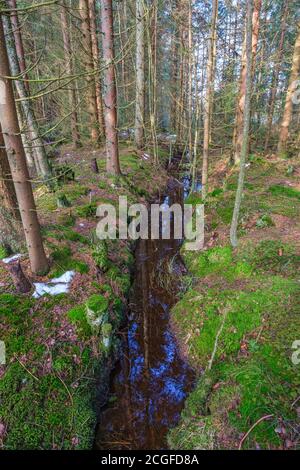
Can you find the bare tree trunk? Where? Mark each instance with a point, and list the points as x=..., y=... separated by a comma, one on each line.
x=174, y=66
x=18, y=40
x=69, y=71
x=190, y=81
x=140, y=75
x=151, y=18
x=42, y=163
x=89, y=66
x=110, y=92
x=288, y=109
x=246, y=126
x=95, y=53
x=8, y=196
x=276, y=74
x=208, y=102
x=238, y=132
x=18, y=167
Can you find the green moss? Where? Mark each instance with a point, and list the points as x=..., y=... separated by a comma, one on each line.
x=271, y=256
x=217, y=260
x=100, y=255
x=280, y=190
x=264, y=221
x=216, y=192
x=77, y=316
x=65, y=233
x=194, y=199
x=64, y=262
x=86, y=210
x=262, y=382
x=225, y=213
x=40, y=413
x=98, y=303
x=106, y=329
x=3, y=252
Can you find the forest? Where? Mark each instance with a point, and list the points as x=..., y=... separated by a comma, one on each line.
x=115, y=336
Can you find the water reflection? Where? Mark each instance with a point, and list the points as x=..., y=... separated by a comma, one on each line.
x=151, y=381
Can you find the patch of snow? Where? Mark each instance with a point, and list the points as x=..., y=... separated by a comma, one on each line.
x=11, y=258
x=58, y=285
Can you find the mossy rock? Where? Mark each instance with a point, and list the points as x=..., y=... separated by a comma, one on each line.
x=96, y=310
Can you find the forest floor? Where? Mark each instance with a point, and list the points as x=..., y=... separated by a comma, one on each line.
x=236, y=322
x=58, y=362
x=240, y=315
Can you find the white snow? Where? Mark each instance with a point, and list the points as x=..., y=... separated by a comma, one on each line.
x=11, y=258
x=58, y=285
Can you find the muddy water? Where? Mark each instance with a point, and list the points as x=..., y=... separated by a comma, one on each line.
x=151, y=380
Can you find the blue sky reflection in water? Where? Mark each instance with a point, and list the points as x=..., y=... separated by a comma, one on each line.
x=151, y=380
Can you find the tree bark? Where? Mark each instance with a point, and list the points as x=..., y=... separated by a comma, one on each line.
x=42, y=164
x=95, y=54
x=190, y=81
x=89, y=67
x=246, y=125
x=238, y=132
x=208, y=102
x=21, y=282
x=110, y=92
x=8, y=196
x=18, y=166
x=174, y=66
x=288, y=108
x=276, y=74
x=12, y=4
x=140, y=75
x=69, y=70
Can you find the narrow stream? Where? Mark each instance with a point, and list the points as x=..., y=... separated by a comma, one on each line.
x=151, y=380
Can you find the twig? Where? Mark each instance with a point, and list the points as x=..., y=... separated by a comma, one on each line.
x=217, y=339
x=252, y=427
x=21, y=363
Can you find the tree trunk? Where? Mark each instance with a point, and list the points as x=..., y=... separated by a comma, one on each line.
x=18, y=166
x=208, y=102
x=110, y=92
x=288, y=109
x=238, y=132
x=246, y=125
x=69, y=71
x=89, y=68
x=12, y=4
x=22, y=284
x=174, y=66
x=190, y=81
x=152, y=73
x=140, y=75
x=95, y=53
x=276, y=75
x=8, y=196
x=42, y=164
